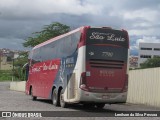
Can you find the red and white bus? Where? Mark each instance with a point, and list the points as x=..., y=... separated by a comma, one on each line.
x=87, y=65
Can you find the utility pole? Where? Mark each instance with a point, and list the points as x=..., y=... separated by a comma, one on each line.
x=13, y=70
x=0, y=59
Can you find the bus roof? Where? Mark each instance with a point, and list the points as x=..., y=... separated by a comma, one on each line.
x=58, y=37
x=69, y=33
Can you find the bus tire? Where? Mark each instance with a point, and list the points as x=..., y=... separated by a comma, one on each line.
x=55, y=98
x=100, y=105
x=63, y=104
x=33, y=97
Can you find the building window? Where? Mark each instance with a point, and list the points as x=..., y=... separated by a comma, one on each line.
x=157, y=49
x=146, y=48
x=157, y=56
x=145, y=56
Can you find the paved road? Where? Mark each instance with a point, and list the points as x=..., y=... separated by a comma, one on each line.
x=18, y=101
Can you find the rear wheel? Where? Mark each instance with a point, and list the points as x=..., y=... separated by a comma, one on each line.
x=100, y=105
x=32, y=96
x=63, y=104
x=55, y=98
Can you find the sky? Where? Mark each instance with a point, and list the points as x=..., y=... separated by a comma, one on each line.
x=20, y=18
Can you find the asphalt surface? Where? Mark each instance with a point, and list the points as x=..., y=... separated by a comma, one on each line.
x=18, y=101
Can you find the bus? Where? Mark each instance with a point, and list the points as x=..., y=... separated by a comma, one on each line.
x=88, y=65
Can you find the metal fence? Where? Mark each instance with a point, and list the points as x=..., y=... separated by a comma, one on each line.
x=144, y=87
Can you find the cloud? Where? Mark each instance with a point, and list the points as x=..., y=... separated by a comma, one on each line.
x=139, y=17
x=148, y=39
x=18, y=19
x=145, y=14
x=14, y=43
x=40, y=7
x=134, y=46
x=139, y=4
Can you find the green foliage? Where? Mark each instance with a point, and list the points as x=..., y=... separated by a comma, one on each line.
x=18, y=64
x=21, y=60
x=48, y=32
x=5, y=75
x=151, y=63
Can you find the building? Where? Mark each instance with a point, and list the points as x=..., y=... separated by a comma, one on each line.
x=133, y=62
x=4, y=64
x=6, y=59
x=148, y=50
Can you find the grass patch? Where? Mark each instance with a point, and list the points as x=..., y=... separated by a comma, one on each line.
x=5, y=75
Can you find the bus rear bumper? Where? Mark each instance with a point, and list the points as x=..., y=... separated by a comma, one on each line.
x=103, y=97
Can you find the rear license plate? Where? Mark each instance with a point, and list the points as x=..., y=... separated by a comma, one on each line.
x=105, y=96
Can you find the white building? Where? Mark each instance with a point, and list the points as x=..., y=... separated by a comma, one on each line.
x=148, y=50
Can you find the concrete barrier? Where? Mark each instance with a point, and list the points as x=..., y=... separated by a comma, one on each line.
x=18, y=86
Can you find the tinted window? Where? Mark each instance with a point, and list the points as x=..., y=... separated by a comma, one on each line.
x=36, y=56
x=157, y=49
x=57, y=49
x=145, y=56
x=146, y=48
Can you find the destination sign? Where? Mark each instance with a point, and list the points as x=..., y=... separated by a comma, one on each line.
x=107, y=36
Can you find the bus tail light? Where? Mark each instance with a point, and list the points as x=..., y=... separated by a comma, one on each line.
x=126, y=84
x=83, y=85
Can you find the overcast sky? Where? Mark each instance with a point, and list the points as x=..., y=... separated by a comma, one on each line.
x=20, y=18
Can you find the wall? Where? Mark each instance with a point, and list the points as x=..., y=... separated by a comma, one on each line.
x=144, y=87
x=18, y=86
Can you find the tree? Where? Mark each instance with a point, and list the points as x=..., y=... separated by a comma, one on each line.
x=151, y=63
x=18, y=65
x=48, y=32
x=21, y=60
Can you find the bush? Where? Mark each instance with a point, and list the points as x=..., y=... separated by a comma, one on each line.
x=151, y=63
x=19, y=73
x=5, y=75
